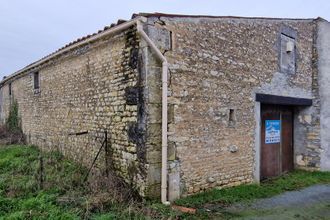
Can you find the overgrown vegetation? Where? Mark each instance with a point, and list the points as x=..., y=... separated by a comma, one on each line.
x=20, y=194
x=11, y=132
x=63, y=193
x=13, y=120
x=36, y=185
x=60, y=192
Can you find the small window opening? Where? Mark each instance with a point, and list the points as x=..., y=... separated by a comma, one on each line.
x=232, y=118
x=36, y=80
x=9, y=86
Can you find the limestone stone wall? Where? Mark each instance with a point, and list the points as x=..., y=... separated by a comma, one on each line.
x=93, y=88
x=217, y=65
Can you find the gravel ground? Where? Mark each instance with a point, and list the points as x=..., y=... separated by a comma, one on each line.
x=305, y=197
x=309, y=203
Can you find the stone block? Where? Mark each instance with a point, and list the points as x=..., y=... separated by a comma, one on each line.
x=173, y=186
x=171, y=151
x=160, y=36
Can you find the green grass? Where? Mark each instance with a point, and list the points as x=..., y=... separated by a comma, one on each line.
x=22, y=197
x=292, y=181
x=20, y=194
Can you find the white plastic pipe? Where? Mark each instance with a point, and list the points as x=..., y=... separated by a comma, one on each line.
x=164, y=111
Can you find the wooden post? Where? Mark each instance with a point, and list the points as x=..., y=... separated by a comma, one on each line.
x=41, y=172
x=106, y=153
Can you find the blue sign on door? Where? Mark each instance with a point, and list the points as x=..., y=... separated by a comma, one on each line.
x=273, y=131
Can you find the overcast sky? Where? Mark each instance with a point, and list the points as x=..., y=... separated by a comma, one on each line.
x=32, y=29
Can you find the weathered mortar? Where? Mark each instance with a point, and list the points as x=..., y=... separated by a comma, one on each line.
x=217, y=65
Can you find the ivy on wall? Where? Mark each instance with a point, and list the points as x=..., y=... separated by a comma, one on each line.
x=13, y=120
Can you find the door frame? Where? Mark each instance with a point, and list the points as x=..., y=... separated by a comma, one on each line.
x=276, y=100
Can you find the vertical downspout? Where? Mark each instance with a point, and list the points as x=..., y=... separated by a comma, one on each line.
x=154, y=48
x=164, y=133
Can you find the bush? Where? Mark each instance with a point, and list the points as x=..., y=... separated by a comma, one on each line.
x=13, y=120
x=11, y=133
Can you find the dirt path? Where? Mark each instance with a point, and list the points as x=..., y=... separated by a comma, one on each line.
x=309, y=203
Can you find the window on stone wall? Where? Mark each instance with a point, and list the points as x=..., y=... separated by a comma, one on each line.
x=36, y=81
x=232, y=118
x=9, y=87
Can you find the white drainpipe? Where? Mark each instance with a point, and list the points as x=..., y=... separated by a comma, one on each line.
x=164, y=110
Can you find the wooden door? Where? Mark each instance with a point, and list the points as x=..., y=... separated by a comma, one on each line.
x=287, y=140
x=276, y=140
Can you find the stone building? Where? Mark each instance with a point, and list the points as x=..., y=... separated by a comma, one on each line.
x=188, y=102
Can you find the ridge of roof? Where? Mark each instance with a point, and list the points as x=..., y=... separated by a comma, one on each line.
x=159, y=14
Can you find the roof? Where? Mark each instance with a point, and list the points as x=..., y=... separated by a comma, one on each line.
x=78, y=41
x=71, y=44
x=158, y=14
